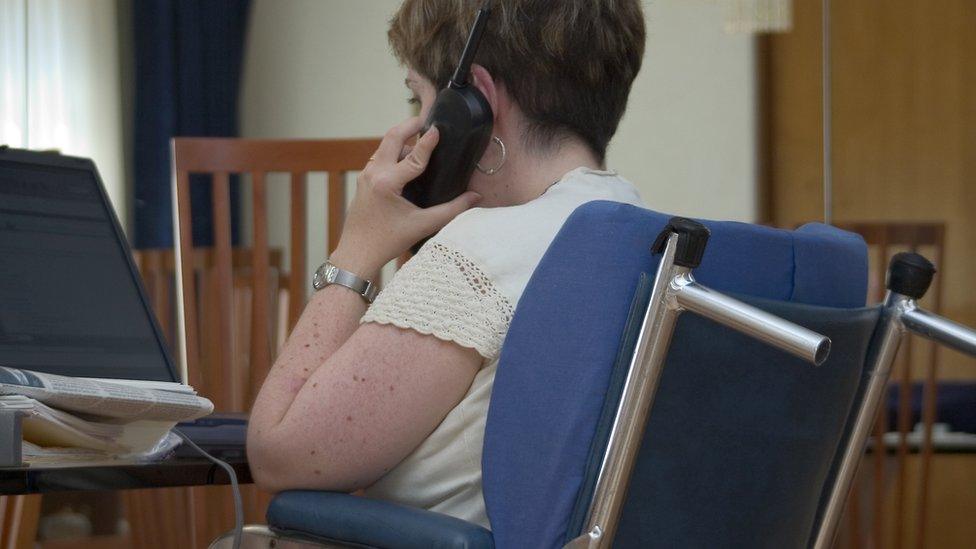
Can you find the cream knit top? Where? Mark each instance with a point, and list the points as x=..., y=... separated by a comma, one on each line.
x=462, y=286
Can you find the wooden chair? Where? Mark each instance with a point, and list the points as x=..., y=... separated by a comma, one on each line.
x=221, y=157
x=884, y=240
x=213, y=368
x=157, y=268
x=19, y=516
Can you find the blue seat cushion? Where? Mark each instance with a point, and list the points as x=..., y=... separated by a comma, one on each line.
x=556, y=364
x=324, y=517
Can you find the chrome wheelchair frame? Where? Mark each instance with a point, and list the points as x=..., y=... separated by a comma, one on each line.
x=675, y=291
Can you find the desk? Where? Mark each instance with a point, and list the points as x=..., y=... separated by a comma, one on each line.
x=159, y=518
x=118, y=475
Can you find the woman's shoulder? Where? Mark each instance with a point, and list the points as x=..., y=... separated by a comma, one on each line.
x=538, y=219
x=508, y=242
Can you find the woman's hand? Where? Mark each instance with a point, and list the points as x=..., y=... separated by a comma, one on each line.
x=380, y=223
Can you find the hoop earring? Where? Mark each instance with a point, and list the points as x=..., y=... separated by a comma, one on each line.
x=496, y=169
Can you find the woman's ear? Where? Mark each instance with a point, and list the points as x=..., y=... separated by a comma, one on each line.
x=488, y=87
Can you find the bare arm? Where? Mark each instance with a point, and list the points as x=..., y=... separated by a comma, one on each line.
x=344, y=403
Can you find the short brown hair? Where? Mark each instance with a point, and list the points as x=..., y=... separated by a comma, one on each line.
x=569, y=64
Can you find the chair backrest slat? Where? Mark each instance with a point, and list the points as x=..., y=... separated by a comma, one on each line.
x=211, y=155
x=299, y=226
x=223, y=287
x=260, y=306
x=337, y=207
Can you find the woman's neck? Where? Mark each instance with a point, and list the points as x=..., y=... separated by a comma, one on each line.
x=527, y=174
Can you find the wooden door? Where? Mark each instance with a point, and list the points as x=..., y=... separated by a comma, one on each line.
x=904, y=150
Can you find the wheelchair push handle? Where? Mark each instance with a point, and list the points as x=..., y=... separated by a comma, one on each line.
x=910, y=275
x=754, y=322
x=691, y=239
x=940, y=330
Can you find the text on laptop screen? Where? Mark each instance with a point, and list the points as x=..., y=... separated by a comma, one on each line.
x=68, y=301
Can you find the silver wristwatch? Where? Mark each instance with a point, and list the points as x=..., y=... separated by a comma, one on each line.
x=330, y=274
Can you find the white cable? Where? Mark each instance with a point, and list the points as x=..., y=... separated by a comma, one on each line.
x=238, y=505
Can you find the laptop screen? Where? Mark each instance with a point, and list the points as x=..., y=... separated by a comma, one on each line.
x=69, y=300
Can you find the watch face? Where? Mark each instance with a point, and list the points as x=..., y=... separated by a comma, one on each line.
x=330, y=273
x=325, y=275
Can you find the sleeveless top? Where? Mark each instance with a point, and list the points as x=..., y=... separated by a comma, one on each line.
x=463, y=286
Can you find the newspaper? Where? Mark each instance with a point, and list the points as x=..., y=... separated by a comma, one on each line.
x=51, y=434
x=102, y=398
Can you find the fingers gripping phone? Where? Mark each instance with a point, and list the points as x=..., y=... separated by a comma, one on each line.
x=464, y=119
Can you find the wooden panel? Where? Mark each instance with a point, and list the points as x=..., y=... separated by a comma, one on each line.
x=214, y=154
x=159, y=518
x=94, y=542
x=904, y=127
x=904, y=153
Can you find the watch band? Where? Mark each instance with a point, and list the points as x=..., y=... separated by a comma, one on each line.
x=329, y=274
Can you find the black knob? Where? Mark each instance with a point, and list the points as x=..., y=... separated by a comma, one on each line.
x=692, y=239
x=910, y=274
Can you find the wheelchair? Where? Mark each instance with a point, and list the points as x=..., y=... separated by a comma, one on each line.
x=635, y=425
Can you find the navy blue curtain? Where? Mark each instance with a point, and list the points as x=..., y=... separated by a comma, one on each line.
x=188, y=56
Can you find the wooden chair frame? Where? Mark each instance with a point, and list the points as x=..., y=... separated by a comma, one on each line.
x=221, y=157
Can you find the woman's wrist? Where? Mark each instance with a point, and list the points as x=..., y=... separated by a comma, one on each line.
x=356, y=262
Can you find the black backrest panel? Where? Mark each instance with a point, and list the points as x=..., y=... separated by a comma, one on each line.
x=741, y=436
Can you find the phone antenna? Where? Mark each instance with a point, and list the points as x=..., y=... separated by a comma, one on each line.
x=460, y=78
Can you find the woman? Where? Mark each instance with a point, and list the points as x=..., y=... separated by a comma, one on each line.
x=392, y=397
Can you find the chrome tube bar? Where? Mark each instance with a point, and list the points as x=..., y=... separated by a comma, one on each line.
x=881, y=363
x=632, y=411
x=900, y=315
x=262, y=537
x=796, y=340
x=674, y=291
x=940, y=330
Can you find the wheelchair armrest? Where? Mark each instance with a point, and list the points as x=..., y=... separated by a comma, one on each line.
x=333, y=517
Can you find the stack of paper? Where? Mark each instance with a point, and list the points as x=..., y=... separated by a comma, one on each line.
x=86, y=417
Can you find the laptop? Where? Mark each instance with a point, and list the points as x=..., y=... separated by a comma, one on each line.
x=71, y=299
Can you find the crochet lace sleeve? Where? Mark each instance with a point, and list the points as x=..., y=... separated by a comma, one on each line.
x=441, y=292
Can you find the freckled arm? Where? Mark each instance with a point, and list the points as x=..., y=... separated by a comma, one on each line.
x=330, y=317
x=345, y=402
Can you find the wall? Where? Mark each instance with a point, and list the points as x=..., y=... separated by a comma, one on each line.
x=322, y=68
x=63, y=92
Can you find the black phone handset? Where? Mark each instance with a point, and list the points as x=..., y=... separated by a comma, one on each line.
x=464, y=119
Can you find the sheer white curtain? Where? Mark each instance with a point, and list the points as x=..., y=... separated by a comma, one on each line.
x=59, y=64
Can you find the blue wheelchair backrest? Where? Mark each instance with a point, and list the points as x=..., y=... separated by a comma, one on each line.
x=555, y=369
